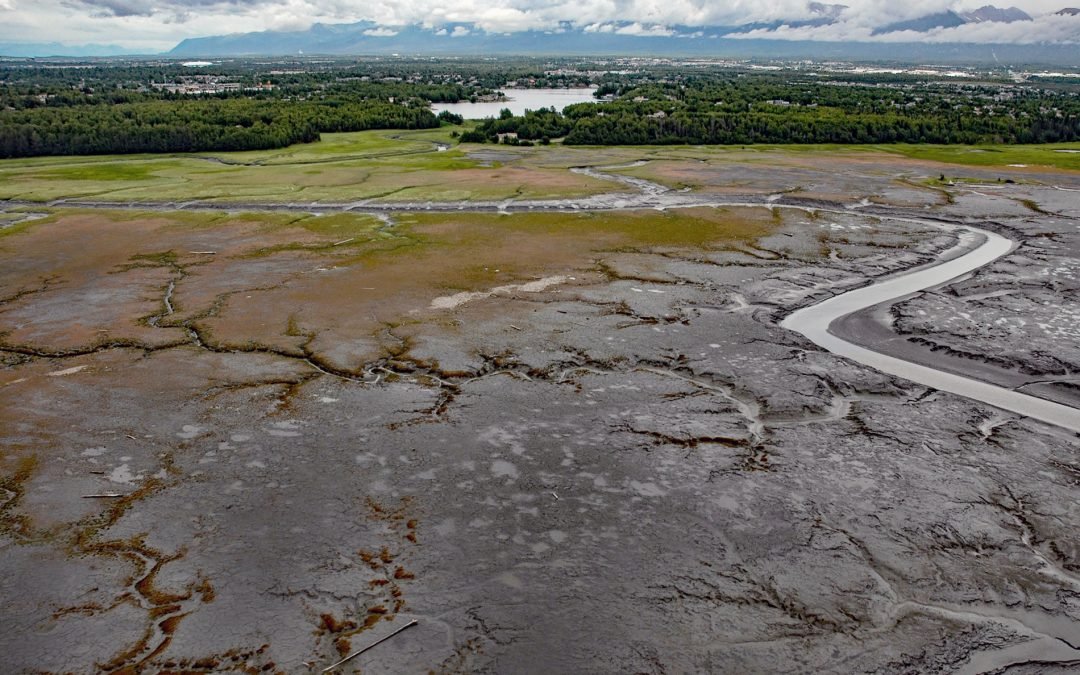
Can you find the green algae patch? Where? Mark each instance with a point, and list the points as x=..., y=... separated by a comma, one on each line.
x=381, y=167
x=1058, y=155
x=11, y=227
x=105, y=171
x=698, y=227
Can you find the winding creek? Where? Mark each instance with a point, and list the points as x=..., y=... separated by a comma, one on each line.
x=818, y=322
x=979, y=248
x=1044, y=638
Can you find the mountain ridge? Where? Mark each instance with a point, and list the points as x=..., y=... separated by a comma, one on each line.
x=822, y=31
x=991, y=13
x=624, y=37
x=922, y=24
x=47, y=49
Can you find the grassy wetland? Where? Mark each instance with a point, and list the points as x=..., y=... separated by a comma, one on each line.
x=410, y=166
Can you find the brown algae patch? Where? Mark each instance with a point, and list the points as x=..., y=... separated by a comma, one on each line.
x=326, y=286
x=347, y=296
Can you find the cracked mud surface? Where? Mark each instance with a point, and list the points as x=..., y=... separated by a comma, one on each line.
x=254, y=444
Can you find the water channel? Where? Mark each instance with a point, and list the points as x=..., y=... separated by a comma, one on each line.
x=980, y=248
x=519, y=100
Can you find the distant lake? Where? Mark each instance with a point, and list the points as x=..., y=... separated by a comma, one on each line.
x=520, y=101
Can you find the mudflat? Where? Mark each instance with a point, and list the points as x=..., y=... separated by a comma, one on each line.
x=559, y=427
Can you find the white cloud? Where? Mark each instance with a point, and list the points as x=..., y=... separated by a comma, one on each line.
x=648, y=31
x=159, y=24
x=508, y=20
x=381, y=31
x=1043, y=29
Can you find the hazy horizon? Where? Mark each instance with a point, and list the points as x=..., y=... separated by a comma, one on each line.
x=151, y=26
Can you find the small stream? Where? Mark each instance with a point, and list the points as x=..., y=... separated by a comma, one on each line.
x=977, y=248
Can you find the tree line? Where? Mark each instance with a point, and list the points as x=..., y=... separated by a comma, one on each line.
x=194, y=125
x=732, y=110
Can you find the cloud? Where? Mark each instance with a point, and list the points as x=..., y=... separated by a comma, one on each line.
x=116, y=7
x=507, y=20
x=159, y=24
x=122, y=8
x=1041, y=30
x=381, y=31
x=645, y=31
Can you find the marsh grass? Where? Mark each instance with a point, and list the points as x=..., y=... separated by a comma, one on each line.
x=993, y=155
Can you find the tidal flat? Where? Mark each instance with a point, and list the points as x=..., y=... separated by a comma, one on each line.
x=245, y=430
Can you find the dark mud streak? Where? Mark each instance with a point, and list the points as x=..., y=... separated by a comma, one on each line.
x=650, y=194
x=201, y=338
x=400, y=364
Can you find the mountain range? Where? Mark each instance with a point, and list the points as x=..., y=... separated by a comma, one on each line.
x=35, y=49
x=623, y=38
x=991, y=13
x=1007, y=35
x=951, y=19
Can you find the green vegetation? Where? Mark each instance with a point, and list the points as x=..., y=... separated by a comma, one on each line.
x=112, y=171
x=541, y=125
x=188, y=126
x=240, y=105
x=1061, y=156
x=346, y=167
x=678, y=228
x=39, y=84
x=406, y=166
x=251, y=105
x=736, y=109
x=14, y=223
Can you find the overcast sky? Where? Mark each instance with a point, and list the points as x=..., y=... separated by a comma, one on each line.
x=154, y=25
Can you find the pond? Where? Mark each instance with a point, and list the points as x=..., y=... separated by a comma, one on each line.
x=520, y=101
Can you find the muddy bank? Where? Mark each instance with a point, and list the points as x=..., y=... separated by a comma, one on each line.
x=834, y=324
x=634, y=470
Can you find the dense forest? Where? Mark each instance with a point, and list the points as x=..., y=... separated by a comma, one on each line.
x=31, y=84
x=188, y=126
x=166, y=106
x=134, y=107
x=740, y=110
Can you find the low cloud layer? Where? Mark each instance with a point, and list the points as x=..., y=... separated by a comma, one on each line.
x=161, y=23
x=1044, y=28
x=142, y=8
